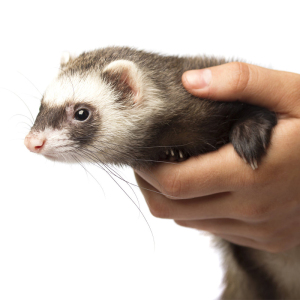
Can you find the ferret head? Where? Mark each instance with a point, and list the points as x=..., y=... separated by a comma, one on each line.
x=92, y=111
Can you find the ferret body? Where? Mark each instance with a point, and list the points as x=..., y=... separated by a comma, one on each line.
x=126, y=107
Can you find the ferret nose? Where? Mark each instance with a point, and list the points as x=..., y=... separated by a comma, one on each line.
x=34, y=144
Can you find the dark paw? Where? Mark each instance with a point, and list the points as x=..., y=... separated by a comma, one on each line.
x=251, y=133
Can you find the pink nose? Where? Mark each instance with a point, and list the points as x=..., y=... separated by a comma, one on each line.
x=34, y=144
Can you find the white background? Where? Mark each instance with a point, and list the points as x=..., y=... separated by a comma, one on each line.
x=63, y=235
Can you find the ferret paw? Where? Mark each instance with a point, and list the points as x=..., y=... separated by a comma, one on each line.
x=251, y=134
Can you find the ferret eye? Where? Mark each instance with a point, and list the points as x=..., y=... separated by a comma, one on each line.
x=82, y=114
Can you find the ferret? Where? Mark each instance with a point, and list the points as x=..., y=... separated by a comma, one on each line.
x=122, y=106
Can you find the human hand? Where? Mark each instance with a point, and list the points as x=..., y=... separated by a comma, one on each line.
x=217, y=191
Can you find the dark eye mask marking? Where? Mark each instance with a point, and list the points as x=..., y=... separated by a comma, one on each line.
x=82, y=127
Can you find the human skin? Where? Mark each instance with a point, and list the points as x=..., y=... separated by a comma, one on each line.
x=219, y=193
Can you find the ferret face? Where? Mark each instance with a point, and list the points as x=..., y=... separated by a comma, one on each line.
x=86, y=115
x=69, y=118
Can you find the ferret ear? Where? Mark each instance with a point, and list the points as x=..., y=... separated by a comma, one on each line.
x=66, y=57
x=127, y=78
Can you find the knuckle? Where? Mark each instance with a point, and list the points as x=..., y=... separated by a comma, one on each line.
x=241, y=76
x=248, y=181
x=158, y=209
x=255, y=212
x=171, y=185
x=275, y=248
x=265, y=233
x=295, y=90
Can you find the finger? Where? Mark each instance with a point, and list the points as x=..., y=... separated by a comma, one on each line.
x=243, y=234
x=272, y=247
x=276, y=90
x=242, y=241
x=259, y=232
x=251, y=211
x=209, y=207
x=210, y=173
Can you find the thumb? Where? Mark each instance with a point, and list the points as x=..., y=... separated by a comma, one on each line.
x=275, y=90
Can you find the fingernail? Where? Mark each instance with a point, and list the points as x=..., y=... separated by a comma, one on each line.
x=198, y=79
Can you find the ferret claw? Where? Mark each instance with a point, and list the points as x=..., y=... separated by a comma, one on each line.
x=180, y=154
x=254, y=165
x=173, y=155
